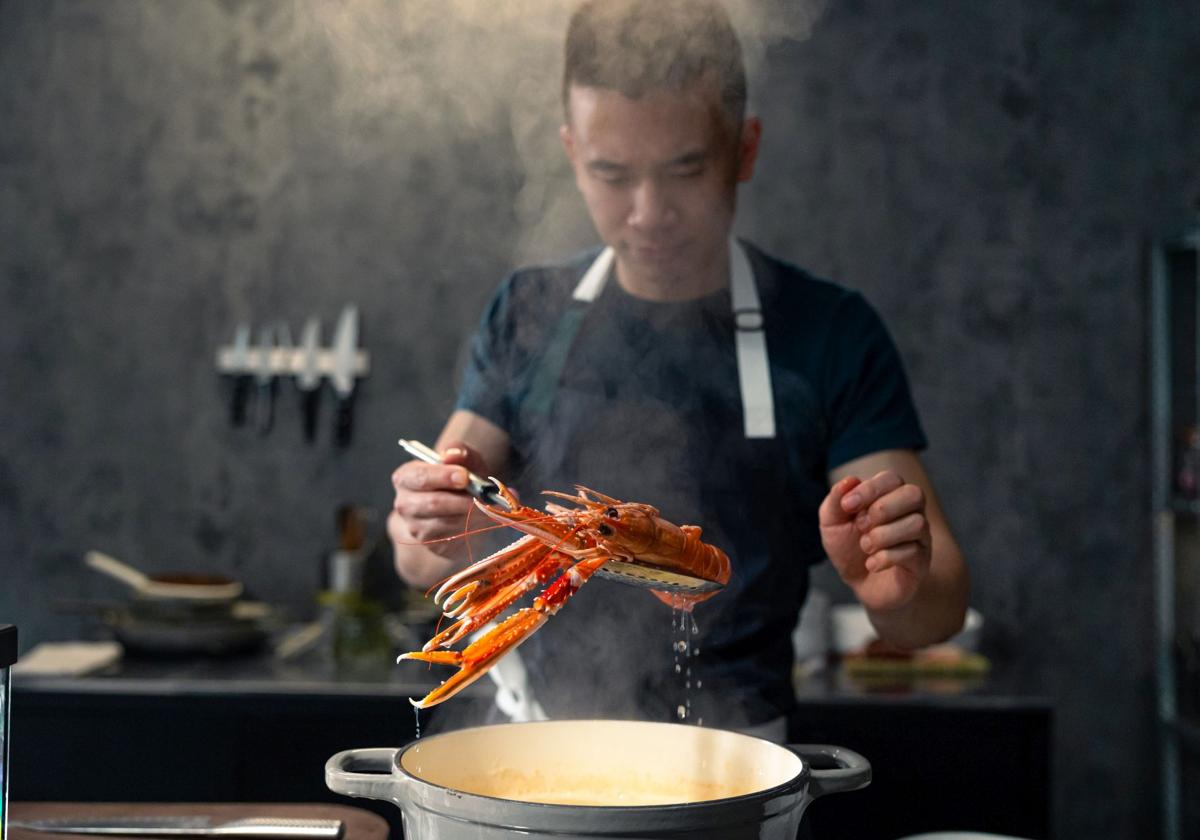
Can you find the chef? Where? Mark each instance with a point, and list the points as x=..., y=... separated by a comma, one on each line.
x=681, y=367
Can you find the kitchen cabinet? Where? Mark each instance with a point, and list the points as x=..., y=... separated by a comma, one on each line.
x=964, y=756
x=1174, y=335
x=948, y=758
x=239, y=729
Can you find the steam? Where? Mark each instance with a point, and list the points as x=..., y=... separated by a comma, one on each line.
x=445, y=66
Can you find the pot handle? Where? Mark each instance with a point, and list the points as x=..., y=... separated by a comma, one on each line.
x=371, y=777
x=851, y=770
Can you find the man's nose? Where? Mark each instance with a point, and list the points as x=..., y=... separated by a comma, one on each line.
x=652, y=206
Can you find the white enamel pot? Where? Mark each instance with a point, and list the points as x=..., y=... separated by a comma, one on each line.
x=595, y=778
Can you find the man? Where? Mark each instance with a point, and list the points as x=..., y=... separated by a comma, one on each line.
x=785, y=429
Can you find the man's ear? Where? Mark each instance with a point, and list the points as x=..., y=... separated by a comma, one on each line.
x=748, y=148
x=568, y=142
x=567, y=138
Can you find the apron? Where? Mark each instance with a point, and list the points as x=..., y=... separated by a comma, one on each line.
x=754, y=369
x=701, y=458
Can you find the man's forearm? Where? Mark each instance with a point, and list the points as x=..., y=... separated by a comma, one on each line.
x=937, y=610
x=421, y=567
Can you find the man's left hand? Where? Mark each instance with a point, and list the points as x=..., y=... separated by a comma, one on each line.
x=876, y=534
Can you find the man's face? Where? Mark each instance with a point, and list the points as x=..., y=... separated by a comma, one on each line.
x=659, y=175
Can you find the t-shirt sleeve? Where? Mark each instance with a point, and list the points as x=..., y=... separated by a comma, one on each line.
x=871, y=407
x=488, y=375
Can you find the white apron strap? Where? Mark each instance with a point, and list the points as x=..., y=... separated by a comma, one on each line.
x=754, y=369
x=594, y=278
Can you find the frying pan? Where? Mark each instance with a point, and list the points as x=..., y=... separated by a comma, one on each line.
x=191, y=588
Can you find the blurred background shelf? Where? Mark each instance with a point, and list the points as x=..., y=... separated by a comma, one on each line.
x=1174, y=335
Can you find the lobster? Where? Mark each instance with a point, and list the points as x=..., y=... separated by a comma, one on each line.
x=562, y=547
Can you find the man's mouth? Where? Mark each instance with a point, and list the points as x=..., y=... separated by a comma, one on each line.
x=656, y=252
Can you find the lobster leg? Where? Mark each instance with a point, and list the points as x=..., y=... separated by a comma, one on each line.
x=478, y=611
x=475, y=660
x=504, y=566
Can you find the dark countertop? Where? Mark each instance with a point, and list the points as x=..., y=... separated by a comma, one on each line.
x=264, y=675
x=247, y=675
x=1002, y=688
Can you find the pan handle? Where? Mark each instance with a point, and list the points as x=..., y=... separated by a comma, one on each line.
x=850, y=771
x=365, y=773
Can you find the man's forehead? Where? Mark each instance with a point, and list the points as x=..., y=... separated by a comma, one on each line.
x=661, y=123
x=702, y=92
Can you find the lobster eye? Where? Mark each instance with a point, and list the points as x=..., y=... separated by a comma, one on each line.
x=611, y=513
x=604, y=530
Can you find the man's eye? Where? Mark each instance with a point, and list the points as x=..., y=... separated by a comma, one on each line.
x=615, y=179
x=693, y=171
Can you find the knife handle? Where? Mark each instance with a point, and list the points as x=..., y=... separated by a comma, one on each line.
x=265, y=405
x=310, y=403
x=241, y=394
x=343, y=419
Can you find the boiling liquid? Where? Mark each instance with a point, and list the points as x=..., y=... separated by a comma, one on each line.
x=571, y=788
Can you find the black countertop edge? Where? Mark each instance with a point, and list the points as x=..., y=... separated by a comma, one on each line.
x=223, y=688
x=1028, y=702
x=352, y=690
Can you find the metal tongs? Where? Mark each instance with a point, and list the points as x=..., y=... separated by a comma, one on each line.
x=641, y=575
x=484, y=489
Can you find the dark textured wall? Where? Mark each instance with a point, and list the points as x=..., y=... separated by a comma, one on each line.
x=986, y=173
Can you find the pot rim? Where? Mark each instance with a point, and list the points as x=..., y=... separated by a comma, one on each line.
x=797, y=783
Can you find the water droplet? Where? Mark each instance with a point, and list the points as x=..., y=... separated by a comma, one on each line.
x=699, y=683
x=687, y=684
x=681, y=647
x=695, y=651
x=695, y=628
x=681, y=711
x=417, y=718
x=677, y=668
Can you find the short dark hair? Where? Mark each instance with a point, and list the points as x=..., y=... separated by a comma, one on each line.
x=635, y=46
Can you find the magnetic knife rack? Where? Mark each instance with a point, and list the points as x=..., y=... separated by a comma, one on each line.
x=275, y=356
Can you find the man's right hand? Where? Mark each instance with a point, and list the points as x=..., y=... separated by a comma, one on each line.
x=431, y=504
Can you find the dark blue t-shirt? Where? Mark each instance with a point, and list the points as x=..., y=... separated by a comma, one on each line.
x=640, y=400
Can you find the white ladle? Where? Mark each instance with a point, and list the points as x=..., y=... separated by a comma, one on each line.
x=148, y=587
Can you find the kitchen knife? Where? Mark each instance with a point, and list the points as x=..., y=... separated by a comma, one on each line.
x=190, y=826
x=308, y=378
x=264, y=377
x=345, y=347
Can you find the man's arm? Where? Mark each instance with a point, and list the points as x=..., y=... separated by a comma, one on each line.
x=479, y=433
x=888, y=538
x=431, y=504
